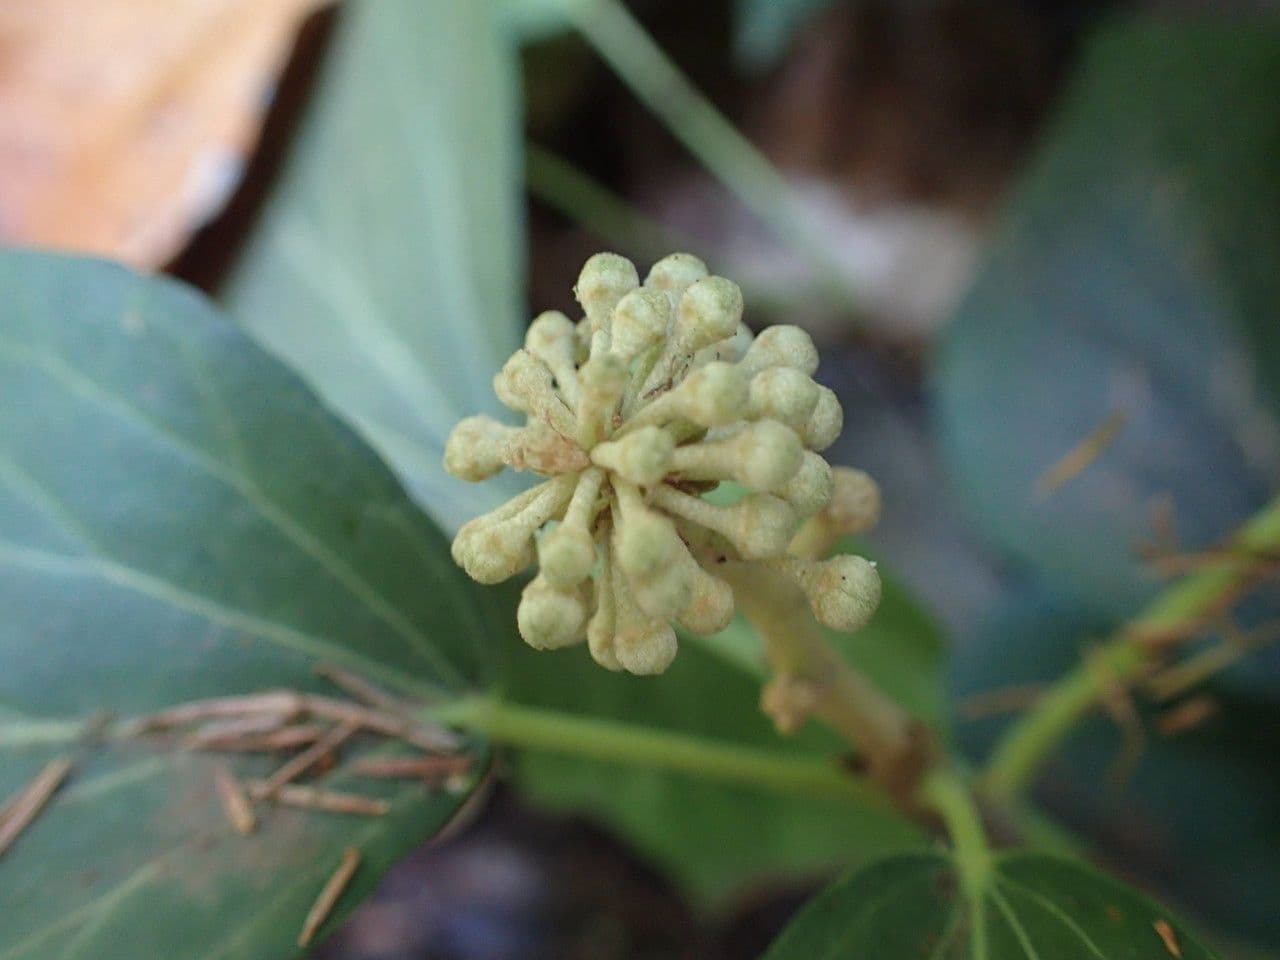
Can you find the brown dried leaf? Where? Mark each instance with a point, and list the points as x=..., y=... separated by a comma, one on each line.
x=124, y=123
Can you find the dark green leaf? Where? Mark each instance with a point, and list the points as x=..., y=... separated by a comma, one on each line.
x=713, y=836
x=179, y=518
x=1034, y=907
x=1134, y=275
x=388, y=268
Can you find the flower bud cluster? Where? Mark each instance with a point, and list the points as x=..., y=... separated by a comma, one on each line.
x=656, y=396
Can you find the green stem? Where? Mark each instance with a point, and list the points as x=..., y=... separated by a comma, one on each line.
x=947, y=794
x=693, y=119
x=1173, y=615
x=562, y=186
x=661, y=749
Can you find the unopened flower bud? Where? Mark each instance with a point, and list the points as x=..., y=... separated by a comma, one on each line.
x=811, y=487
x=710, y=607
x=784, y=394
x=758, y=526
x=761, y=456
x=492, y=553
x=642, y=457
x=783, y=345
x=640, y=321
x=645, y=649
x=674, y=274
x=476, y=448
x=825, y=423
x=843, y=591
x=550, y=618
x=855, y=501
x=566, y=556
x=605, y=279
x=709, y=396
x=709, y=312
x=525, y=384
x=552, y=338
x=498, y=545
x=651, y=556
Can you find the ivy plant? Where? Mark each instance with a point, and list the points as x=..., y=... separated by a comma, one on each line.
x=246, y=662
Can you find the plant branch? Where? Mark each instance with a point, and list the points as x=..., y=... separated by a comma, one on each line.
x=1174, y=615
x=660, y=749
x=811, y=678
x=947, y=794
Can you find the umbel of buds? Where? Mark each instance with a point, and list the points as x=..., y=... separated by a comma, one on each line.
x=655, y=397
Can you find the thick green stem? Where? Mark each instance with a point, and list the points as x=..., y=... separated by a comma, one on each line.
x=694, y=120
x=661, y=749
x=947, y=794
x=1174, y=615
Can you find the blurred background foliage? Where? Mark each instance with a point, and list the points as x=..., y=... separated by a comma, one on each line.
x=1015, y=227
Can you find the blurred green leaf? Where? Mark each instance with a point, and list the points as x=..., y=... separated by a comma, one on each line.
x=1134, y=276
x=179, y=518
x=388, y=268
x=710, y=836
x=1035, y=907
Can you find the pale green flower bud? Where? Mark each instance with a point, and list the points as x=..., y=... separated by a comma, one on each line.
x=674, y=274
x=642, y=457
x=492, y=553
x=526, y=384
x=711, y=395
x=709, y=312
x=760, y=456
x=826, y=422
x=549, y=618
x=781, y=346
x=812, y=486
x=710, y=607
x=551, y=334
x=843, y=591
x=566, y=556
x=784, y=394
x=552, y=338
x=498, y=545
x=605, y=279
x=477, y=448
x=855, y=501
x=646, y=649
x=652, y=557
x=758, y=526
x=641, y=321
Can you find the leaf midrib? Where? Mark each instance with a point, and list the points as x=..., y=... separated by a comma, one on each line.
x=79, y=383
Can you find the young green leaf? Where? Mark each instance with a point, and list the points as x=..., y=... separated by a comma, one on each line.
x=1034, y=907
x=388, y=266
x=179, y=519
